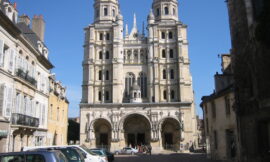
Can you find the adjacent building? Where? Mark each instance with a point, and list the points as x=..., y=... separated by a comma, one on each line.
x=250, y=33
x=57, y=113
x=137, y=88
x=24, y=80
x=220, y=124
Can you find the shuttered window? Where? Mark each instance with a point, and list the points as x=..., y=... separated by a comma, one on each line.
x=9, y=100
x=11, y=61
x=1, y=53
x=2, y=100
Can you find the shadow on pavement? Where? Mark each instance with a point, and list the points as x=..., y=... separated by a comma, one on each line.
x=175, y=157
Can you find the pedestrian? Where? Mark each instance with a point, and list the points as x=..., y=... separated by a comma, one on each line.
x=150, y=149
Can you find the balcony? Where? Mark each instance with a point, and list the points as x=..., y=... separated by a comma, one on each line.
x=24, y=75
x=24, y=120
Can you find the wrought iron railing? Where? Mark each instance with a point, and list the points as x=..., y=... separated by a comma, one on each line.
x=24, y=120
x=24, y=75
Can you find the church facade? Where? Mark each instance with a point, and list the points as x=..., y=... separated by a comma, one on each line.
x=137, y=88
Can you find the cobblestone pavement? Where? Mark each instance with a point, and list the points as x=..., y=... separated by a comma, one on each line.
x=163, y=158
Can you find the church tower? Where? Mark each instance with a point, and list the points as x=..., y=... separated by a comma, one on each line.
x=137, y=88
x=103, y=58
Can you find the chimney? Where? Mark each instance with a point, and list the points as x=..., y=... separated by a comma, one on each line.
x=25, y=19
x=38, y=26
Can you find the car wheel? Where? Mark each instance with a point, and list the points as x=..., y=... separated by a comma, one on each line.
x=132, y=153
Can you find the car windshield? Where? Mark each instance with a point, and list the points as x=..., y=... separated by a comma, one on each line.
x=71, y=154
x=87, y=150
x=99, y=152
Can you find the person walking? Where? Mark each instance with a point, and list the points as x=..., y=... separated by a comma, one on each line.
x=150, y=149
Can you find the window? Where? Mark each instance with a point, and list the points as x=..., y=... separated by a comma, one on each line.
x=213, y=106
x=215, y=139
x=172, y=94
x=105, y=11
x=107, y=55
x=100, y=55
x=113, y=12
x=227, y=105
x=97, y=13
x=163, y=53
x=19, y=158
x=165, y=95
x=164, y=73
x=107, y=96
x=174, y=11
x=35, y=158
x=163, y=35
x=100, y=75
x=206, y=108
x=171, y=53
x=1, y=52
x=129, y=80
x=158, y=12
x=100, y=36
x=166, y=10
x=207, y=125
x=170, y=35
x=142, y=82
x=108, y=36
x=58, y=109
x=99, y=95
x=107, y=75
x=172, y=74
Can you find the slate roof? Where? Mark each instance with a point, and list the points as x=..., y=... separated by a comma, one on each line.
x=29, y=34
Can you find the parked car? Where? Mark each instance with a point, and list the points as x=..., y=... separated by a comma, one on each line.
x=90, y=156
x=72, y=154
x=126, y=150
x=110, y=156
x=101, y=153
x=33, y=156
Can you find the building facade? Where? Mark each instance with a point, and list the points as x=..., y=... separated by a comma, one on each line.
x=57, y=113
x=24, y=84
x=220, y=123
x=249, y=24
x=137, y=89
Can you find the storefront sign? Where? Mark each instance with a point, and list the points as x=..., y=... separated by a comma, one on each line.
x=3, y=133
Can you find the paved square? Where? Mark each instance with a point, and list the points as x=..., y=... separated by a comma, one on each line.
x=163, y=158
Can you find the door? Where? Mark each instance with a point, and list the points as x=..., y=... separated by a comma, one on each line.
x=168, y=140
x=104, y=139
x=131, y=140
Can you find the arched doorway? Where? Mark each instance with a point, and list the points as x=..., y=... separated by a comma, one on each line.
x=103, y=133
x=137, y=130
x=170, y=133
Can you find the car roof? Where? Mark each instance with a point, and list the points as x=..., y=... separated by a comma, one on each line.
x=29, y=152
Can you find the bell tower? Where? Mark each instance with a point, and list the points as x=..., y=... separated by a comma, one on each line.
x=106, y=10
x=165, y=10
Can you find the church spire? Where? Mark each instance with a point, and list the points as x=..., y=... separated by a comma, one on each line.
x=126, y=29
x=135, y=21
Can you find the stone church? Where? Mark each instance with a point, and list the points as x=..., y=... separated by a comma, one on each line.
x=137, y=87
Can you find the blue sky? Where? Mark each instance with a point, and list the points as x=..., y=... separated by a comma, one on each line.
x=208, y=35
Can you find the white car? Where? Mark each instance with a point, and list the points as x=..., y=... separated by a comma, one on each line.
x=90, y=157
x=127, y=150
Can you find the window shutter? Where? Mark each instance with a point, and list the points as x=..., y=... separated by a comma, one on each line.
x=33, y=108
x=9, y=102
x=1, y=53
x=22, y=104
x=18, y=103
x=2, y=99
x=11, y=60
